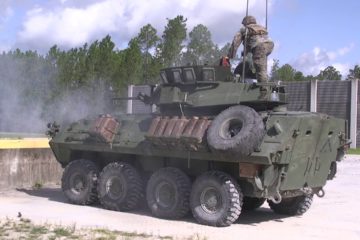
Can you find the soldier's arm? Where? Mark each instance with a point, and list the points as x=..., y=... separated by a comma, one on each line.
x=235, y=45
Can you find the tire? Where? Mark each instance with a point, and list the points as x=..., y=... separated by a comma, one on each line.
x=224, y=190
x=168, y=192
x=292, y=206
x=238, y=130
x=250, y=203
x=120, y=187
x=79, y=182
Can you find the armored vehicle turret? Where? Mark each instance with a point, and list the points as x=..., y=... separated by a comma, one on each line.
x=215, y=145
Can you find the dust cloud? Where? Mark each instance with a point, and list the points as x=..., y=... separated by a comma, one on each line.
x=30, y=97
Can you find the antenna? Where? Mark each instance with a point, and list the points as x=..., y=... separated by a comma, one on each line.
x=247, y=7
x=146, y=57
x=266, y=14
x=245, y=43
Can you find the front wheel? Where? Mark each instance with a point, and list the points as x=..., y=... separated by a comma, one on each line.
x=216, y=199
x=79, y=182
x=292, y=206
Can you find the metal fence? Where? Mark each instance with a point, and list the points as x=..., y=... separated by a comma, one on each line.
x=298, y=96
x=333, y=98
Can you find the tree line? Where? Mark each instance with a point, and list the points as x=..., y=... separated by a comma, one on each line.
x=288, y=73
x=42, y=82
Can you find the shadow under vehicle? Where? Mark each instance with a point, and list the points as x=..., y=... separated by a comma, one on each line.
x=216, y=145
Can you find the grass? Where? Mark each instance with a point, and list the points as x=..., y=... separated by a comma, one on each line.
x=25, y=229
x=354, y=151
x=37, y=186
x=62, y=232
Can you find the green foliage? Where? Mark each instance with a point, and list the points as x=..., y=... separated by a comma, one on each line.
x=354, y=73
x=63, y=231
x=148, y=41
x=298, y=76
x=172, y=41
x=274, y=70
x=147, y=38
x=355, y=151
x=329, y=73
x=131, y=67
x=309, y=78
x=286, y=73
x=14, y=229
x=200, y=48
x=37, y=186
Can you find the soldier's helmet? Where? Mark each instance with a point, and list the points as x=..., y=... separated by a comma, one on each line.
x=248, y=20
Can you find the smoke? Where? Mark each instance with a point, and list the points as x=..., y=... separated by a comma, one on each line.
x=30, y=96
x=77, y=104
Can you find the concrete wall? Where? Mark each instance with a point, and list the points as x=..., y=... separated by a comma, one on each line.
x=27, y=167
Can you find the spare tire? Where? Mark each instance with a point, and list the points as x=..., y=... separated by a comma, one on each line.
x=238, y=130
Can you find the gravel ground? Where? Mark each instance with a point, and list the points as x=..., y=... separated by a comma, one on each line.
x=336, y=216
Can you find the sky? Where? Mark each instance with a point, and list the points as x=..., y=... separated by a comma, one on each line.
x=309, y=35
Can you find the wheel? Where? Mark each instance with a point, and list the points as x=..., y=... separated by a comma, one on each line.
x=79, y=181
x=216, y=199
x=292, y=206
x=168, y=192
x=250, y=203
x=238, y=130
x=120, y=187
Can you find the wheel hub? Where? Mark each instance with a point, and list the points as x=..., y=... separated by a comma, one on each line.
x=115, y=187
x=210, y=200
x=78, y=183
x=230, y=128
x=165, y=195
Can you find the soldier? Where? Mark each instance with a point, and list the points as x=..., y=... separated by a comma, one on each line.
x=257, y=42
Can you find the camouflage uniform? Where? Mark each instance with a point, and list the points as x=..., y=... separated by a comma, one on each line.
x=258, y=43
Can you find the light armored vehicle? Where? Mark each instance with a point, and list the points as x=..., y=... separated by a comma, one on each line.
x=215, y=146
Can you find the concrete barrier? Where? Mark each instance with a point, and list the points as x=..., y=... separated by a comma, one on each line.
x=27, y=162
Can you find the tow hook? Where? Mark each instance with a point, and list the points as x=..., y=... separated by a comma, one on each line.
x=276, y=199
x=320, y=193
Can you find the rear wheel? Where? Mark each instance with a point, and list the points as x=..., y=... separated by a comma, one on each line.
x=79, y=182
x=216, y=199
x=120, y=187
x=168, y=192
x=250, y=203
x=292, y=206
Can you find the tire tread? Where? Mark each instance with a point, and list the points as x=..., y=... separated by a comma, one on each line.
x=235, y=201
x=93, y=169
x=135, y=185
x=296, y=206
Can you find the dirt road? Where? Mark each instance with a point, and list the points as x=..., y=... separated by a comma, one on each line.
x=336, y=216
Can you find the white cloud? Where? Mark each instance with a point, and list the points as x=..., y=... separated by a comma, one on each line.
x=72, y=23
x=343, y=68
x=311, y=63
x=4, y=48
x=70, y=26
x=341, y=51
x=6, y=12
